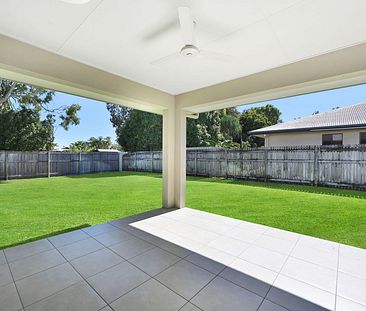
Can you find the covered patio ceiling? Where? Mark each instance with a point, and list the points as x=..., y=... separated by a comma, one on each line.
x=109, y=50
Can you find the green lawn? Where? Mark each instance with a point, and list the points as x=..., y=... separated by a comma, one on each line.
x=35, y=208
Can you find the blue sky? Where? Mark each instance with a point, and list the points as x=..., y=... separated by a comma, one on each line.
x=95, y=117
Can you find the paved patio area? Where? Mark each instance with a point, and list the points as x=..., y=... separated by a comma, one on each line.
x=182, y=260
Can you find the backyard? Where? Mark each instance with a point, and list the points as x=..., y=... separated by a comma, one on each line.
x=36, y=208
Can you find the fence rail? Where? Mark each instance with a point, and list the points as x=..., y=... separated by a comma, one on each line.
x=318, y=165
x=21, y=164
x=335, y=166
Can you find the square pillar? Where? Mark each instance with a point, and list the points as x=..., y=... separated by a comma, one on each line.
x=174, y=158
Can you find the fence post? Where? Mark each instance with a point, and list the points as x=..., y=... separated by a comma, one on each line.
x=136, y=161
x=195, y=163
x=226, y=164
x=152, y=159
x=316, y=166
x=265, y=164
x=242, y=163
x=48, y=164
x=120, y=161
x=6, y=165
x=79, y=162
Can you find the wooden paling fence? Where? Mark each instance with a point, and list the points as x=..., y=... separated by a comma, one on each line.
x=318, y=165
x=23, y=164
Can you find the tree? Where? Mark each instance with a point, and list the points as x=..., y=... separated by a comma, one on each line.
x=79, y=146
x=100, y=142
x=92, y=144
x=230, y=127
x=24, y=130
x=139, y=131
x=136, y=130
x=21, y=123
x=256, y=118
x=204, y=131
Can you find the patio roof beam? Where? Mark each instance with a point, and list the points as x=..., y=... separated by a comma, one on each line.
x=25, y=63
x=336, y=69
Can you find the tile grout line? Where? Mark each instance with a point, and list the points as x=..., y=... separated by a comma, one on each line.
x=272, y=285
x=181, y=259
x=81, y=278
x=151, y=277
x=15, y=285
x=216, y=275
x=157, y=246
x=337, y=275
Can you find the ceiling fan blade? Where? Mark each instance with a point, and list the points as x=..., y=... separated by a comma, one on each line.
x=165, y=59
x=186, y=25
x=216, y=56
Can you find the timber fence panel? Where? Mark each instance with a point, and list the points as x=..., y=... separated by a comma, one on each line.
x=323, y=165
x=26, y=164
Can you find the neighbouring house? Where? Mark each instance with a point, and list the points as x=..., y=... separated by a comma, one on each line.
x=341, y=126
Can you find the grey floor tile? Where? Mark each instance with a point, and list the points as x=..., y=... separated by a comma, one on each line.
x=5, y=275
x=185, y=278
x=223, y=295
x=352, y=266
x=68, y=238
x=189, y=307
x=352, y=288
x=2, y=257
x=150, y=296
x=80, y=248
x=264, y=257
x=9, y=299
x=123, y=222
x=21, y=251
x=299, y=296
x=318, y=276
x=106, y=308
x=352, y=252
x=229, y=245
x=275, y=244
x=176, y=249
x=36, y=263
x=113, y=237
x=349, y=305
x=270, y=306
x=78, y=297
x=117, y=281
x=246, y=281
x=99, y=229
x=206, y=263
x=96, y=262
x=147, y=236
x=131, y=248
x=293, y=302
x=154, y=261
x=46, y=283
x=317, y=256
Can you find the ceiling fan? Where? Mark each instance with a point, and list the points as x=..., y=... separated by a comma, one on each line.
x=189, y=50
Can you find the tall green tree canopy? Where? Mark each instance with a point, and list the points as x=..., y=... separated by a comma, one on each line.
x=256, y=118
x=92, y=144
x=27, y=121
x=138, y=131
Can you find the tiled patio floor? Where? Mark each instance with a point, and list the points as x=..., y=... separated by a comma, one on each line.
x=182, y=260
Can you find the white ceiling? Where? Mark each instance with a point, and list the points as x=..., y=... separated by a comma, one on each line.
x=125, y=36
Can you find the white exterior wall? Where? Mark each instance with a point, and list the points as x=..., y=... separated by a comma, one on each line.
x=350, y=137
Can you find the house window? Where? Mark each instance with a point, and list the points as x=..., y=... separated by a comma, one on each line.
x=363, y=138
x=332, y=139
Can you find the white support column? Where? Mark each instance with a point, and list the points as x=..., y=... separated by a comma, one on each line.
x=174, y=158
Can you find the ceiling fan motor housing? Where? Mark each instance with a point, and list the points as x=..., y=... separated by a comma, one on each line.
x=189, y=51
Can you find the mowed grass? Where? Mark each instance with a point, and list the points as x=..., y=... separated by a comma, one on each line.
x=35, y=208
